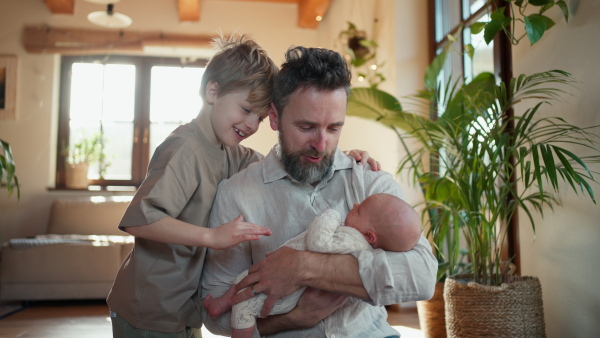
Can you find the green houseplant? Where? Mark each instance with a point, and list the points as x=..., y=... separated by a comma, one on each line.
x=7, y=170
x=535, y=23
x=479, y=160
x=79, y=156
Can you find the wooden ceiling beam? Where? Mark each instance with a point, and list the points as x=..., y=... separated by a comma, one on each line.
x=311, y=12
x=61, y=6
x=44, y=39
x=189, y=10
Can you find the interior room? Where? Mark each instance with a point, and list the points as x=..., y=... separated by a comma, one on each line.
x=36, y=35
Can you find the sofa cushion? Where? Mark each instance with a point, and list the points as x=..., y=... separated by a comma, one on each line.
x=97, y=215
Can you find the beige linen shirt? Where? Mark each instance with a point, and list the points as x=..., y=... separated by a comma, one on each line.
x=266, y=195
x=157, y=286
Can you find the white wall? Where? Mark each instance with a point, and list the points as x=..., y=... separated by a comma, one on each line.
x=565, y=252
x=33, y=134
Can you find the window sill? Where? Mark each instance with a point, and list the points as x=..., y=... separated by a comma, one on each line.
x=97, y=188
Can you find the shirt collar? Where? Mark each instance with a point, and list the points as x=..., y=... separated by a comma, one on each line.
x=273, y=169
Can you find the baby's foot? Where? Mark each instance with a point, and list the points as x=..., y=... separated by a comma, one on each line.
x=215, y=306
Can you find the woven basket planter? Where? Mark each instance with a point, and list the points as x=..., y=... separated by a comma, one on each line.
x=509, y=310
x=432, y=314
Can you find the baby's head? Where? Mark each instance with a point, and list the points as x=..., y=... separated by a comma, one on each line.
x=387, y=222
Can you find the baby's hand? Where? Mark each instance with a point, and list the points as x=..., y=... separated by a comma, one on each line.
x=235, y=232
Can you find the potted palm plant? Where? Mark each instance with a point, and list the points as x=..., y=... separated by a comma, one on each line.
x=7, y=170
x=478, y=163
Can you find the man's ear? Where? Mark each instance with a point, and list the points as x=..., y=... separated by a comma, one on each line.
x=212, y=91
x=371, y=237
x=273, y=117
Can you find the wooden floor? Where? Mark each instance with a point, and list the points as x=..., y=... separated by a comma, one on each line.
x=89, y=319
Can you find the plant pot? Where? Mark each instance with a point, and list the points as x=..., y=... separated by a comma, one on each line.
x=77, y=176
x=510, y=310
x=432, y=314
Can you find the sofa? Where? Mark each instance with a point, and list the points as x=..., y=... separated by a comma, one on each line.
x=77, y=258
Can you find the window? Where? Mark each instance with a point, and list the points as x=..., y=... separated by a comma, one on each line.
x=447, y=17
x=132, y=102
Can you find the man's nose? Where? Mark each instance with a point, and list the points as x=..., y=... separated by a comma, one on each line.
x=319, y=142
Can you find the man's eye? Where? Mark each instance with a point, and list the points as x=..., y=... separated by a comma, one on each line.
x=247, y=110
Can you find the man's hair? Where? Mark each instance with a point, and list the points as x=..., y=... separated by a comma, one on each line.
x=241, y=64
x=320, y=68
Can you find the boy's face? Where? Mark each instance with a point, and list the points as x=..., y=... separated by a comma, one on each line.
x=233, y=119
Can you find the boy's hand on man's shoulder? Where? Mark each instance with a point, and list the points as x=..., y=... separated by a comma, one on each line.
x=364, y=158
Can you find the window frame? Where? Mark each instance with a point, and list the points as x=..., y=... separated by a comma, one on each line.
x=141, y=122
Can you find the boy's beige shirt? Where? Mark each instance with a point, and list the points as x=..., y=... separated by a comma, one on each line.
x=158, y=284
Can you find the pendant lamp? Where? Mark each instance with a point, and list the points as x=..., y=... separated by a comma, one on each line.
x=108, y=18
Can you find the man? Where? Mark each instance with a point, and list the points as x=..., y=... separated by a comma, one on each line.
x=301, y=177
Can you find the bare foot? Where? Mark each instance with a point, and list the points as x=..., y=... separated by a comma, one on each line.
x=216, y=306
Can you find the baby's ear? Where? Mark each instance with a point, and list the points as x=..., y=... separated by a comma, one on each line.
x=371, y=237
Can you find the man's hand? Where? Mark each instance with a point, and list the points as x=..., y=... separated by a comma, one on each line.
x=276, y=276
x=235, y=232
x=364, y=158
x=313, y=306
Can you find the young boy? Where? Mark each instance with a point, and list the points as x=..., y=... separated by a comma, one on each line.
x=157, y=287
x=380, y=221
x=156, y=291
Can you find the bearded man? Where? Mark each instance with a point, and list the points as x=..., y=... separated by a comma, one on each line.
x=304, y=174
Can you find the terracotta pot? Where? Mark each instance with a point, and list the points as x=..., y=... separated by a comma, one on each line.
x=510, y=310
x=432, y=314
x=77, y=176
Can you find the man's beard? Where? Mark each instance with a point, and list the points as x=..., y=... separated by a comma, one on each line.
x=298, y=168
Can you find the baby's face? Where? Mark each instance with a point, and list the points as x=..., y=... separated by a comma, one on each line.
x=358, y=218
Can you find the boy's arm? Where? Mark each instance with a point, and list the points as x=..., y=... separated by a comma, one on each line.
x=173, y=231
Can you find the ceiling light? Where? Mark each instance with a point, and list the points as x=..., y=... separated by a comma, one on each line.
x=108, y=18
x=103, y=2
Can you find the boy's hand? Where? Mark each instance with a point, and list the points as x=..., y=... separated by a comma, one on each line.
x=364, y=158
x=235, y=232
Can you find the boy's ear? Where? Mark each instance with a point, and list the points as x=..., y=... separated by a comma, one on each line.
x=212, y=91
x=273, y=117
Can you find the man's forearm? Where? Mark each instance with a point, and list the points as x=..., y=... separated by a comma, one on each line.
x=333, y=273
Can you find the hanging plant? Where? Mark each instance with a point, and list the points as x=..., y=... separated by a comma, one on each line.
x=361, y=53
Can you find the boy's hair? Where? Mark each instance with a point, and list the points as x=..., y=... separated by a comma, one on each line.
x=321, y=68
x=241, y=64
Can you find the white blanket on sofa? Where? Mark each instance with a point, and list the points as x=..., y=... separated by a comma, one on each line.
x=95, y=240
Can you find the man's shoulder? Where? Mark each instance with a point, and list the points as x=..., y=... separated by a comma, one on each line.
x=252, y=174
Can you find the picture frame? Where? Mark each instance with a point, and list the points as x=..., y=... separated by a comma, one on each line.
x=8, y=87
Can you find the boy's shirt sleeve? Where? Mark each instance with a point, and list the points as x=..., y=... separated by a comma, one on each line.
x=175, y=175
